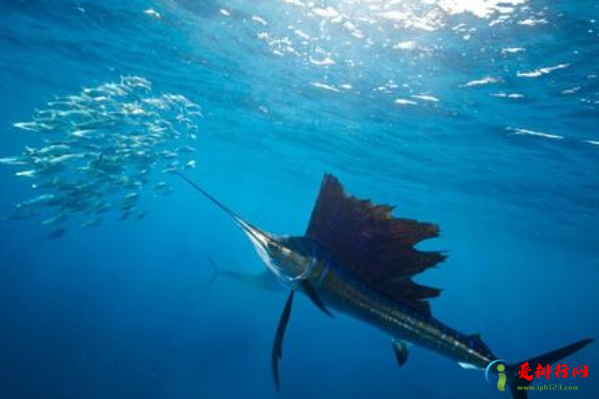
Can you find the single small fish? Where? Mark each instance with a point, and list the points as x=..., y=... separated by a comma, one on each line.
x=26, y=173
x=57, y=219
x=83, y=133
x=170, y=169
x=136, y=81
x=30, y=126
x=73, y=113
x=127, y=208
x=44, y=199
x=101, y=207
x=60, y=232
x=66, y=158
x=162, y=189
x=167, y=155
x=13, y=161
x=95, y=222
x=186, y=149
x=190, y=165
x=131, y=198
x=56, y=149
x=160, y=186
x=157, y=130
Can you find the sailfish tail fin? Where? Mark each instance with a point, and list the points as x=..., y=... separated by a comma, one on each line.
x=215, y=272
x=520, y=386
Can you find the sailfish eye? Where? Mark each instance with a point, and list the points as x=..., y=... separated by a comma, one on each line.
x=273, y=247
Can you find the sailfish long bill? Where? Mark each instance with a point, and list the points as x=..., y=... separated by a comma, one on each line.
x=356, y=258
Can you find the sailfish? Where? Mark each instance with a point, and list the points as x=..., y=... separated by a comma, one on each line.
x=356, y=258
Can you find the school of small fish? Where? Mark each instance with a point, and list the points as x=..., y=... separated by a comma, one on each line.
x=102, y=148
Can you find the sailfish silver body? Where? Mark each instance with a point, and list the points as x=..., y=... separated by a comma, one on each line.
x=346, y=293
x=358, y=259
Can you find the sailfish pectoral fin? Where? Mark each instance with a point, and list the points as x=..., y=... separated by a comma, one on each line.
x=313, y=295
x=277, y=349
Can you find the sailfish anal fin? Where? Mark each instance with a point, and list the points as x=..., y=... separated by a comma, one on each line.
x=400, y=347
x=376, y=246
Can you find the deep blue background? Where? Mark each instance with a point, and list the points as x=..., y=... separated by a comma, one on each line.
x=123, y=311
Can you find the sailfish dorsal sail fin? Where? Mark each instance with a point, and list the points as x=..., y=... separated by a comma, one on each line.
x=375, y=245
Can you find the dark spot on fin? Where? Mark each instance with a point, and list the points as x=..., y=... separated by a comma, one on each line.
x=277, y=349
x=311, y=293
x=400, y=348
x=376, y=246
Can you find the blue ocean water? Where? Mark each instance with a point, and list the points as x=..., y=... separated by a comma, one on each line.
x=479, y=116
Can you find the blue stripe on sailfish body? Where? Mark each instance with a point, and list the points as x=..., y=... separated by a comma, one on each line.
x=356, y=258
